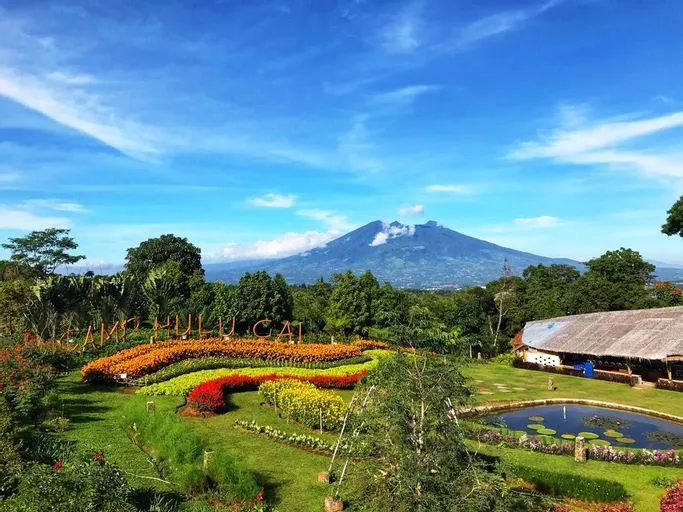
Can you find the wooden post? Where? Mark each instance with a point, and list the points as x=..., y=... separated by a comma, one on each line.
x=668, y=369
x=177, y=327
x=206, y=459
x=89, y=338
x=151, y=407
x=300, y=333
x=156, y=328
x=579, y=449
x=321, y=420
x=220, y=328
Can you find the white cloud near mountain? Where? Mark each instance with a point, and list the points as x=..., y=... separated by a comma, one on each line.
x=452, y=188
x=391, y=231
x=274, y=201
x=408, y=211
x=285, y=245
x=541, y=222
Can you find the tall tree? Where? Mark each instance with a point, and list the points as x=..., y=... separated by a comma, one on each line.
x=154, y=252
x=259, y=298
x=352, y=300
x=547, y=290
x=674, y=220
x=44, y=250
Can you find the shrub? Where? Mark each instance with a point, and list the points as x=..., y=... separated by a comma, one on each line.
x=23, y=385
x=569, y=485
x=303, y=402
x=672, y=501
x=212, y=363
x=671, y=385
x=210, y=395
x=86, y=483
x=183, y=384
x=617, y=507
x=145, y=359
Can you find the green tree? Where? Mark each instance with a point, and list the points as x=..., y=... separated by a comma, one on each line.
x=259, y=298
x=352, y=299
x=165, y=288
x=674, y=220
x=547, y=290
x=44, y=250
x=154, y=252
x=422, y=462
x=310, y=305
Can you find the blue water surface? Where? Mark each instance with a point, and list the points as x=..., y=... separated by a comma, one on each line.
x=643, y=429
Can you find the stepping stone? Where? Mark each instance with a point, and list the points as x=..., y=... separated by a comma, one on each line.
x=479, y=381
x=519, y=389
x=485, y=393
x=499, y=384
x=504, y=390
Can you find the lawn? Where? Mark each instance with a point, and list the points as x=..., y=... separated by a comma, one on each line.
x=498, y=382
x=287, y=473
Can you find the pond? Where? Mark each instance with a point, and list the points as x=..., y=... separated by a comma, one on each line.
x=598, y=425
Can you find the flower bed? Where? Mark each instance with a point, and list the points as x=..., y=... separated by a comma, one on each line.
x=301, y=440
x=209, y=396
x=213, y=363
x=304, y=403
x=183, y=384
x=604, y=453
x=671, y=385
x=138, y=361
x=672, y=501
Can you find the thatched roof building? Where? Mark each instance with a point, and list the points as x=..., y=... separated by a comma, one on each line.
x=646, y=334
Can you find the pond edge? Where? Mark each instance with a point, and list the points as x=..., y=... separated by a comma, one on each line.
x=522, y=404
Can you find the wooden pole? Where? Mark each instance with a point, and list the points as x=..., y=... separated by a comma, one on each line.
x=220, y=328
x=168, y=326
x=177, y=326
x=101, y=335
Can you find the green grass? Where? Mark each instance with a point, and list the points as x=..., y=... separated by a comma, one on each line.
x=636, y=479
x=288, y=473
x=535, y=384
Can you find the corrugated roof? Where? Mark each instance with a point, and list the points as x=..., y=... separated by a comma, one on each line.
x=641, y=334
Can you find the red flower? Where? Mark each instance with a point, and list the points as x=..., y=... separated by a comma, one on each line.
x=672, y=501
x=259, y=498
x=98, y=457
x=57, y=465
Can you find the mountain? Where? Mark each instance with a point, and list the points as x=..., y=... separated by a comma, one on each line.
x=420, y=256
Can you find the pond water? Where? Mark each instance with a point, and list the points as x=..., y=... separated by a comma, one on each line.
x=618, y=428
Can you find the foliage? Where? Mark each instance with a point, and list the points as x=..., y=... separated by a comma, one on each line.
x=302, y=440
x=260, y=297
x=10, y=458
x=674, y=220
x=569, y=485
x=23, y=386
x=304, y=403
x=44, y=250
x=86, y=482
x=617, y=507
x=154, y=252
x=212, y=363
x=672, y=501
x=176, y=450
x=351, y=303
x=145, y=359
x=546, y=294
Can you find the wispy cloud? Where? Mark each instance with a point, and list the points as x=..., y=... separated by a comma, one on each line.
x=452, y=188
x=10, y=177
x=53, y=204
x=19, y=219
x=402, y=33
x=285, y=245
x=541, y=222
x=408, y=211
x=389, y=232
x=404, y=95
x=274, y=201
x=356, y=148
x=70, y=78
x=497, y=24
x=602, y=143
x=332, y=219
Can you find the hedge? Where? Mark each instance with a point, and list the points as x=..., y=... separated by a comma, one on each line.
x=671, y=385
x=304, y=403
x=570, y=485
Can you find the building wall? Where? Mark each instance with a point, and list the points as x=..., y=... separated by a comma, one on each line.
x=532, y=356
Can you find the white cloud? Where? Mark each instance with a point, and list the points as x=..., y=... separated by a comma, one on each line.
x=333, y=220
x=274, y=201
x=286, y=245
x=389, y=232
x=450, y=189
x=404, y=95
x=416, y=209
x=53, y=204
x=355, y=147
x=542, y=222
x=12, y=218
x=71, y=78
x=7, y=178
x=602, y=143
x=400, y=35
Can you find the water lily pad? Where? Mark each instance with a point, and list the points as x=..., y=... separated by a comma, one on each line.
x=588, y=435
x=535, y=426
x=547, y=431
x=612, y=433
x=568, y=436
x=599, y=442
x=625, y=440
x=536, y=419
x=545, y=438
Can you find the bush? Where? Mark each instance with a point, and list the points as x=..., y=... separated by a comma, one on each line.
x=145, y=359
x=179, y=452
x=672, y=501
x=617, y=507
x=87, y=483
x=209, y=396
x=569, y=485
x=23, y=385
x=303, y=402
x=212, y=363
x=671, y=385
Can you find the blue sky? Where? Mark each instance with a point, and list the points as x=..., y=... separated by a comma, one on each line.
x=263, y=128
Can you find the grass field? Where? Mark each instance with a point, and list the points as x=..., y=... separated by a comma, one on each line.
x=289, y=474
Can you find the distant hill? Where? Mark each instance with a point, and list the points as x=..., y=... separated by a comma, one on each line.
x=426, y=256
